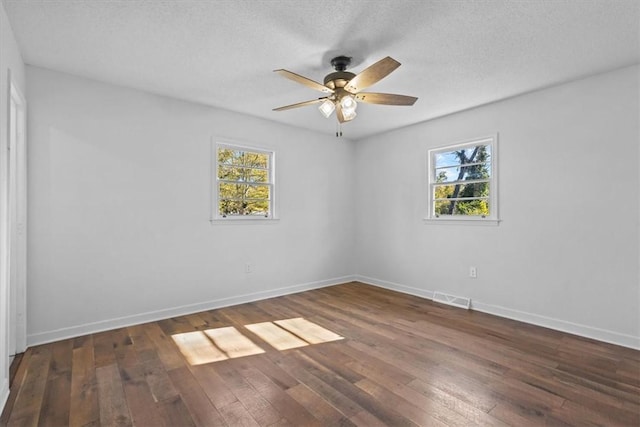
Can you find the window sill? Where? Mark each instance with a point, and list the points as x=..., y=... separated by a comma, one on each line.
x=462, y=221
x=243, y=220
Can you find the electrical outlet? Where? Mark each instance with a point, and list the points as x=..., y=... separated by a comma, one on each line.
x=248, y=268
x=473, y=272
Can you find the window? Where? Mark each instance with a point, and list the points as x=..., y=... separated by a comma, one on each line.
x=244, y=184
x=462, y=182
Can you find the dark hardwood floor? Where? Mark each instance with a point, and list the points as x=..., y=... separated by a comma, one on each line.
x=403, y=361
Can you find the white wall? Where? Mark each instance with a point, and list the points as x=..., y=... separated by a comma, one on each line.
x=120, y=201
x=565, y=254
x=120, y=195
x=10, y=59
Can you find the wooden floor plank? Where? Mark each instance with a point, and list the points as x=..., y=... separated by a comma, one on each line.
x=16, y=385
x=144, y=409
x=202, y=410
x=287, y=407
x=174, y=412
x=84, y=393
x=401, y=360
x=316, y=405
x=27, y=407
x=236, y=415
x=56, y=401
x=335, y=398
x=159, y=383
x=256, y=405
x=386, y=413
x=214, y=387
x=55, y=410
x=114, y=410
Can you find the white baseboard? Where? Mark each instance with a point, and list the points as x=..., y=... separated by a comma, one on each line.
x=4, y=393
x=535, y=319
x=422, y=293
x=120, y=322
x=559, y=325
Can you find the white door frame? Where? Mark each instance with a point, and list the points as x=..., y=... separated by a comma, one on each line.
x=17, y=216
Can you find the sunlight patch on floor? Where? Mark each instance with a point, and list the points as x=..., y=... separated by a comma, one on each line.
x=278, y=338
x=232, y=342
x=198, y=348
x=308, y=331
x=214, y=345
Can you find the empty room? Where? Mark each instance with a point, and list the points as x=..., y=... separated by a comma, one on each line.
x=319, y=213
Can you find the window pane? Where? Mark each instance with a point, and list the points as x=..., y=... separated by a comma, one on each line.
x=234, y=173
x=228, y=156
x=232, y=191
x=231, y=173
x=464, y=173
x=461, y=180
x=260, y=160
x=244, y=182
x=475, y=154
x=477, y=189
x=230, y=207
x=446, y=159
x=257, y=175
x=243, y=191
x=257, y=207
x=258, y=192
x=476, y=207
x=250, y=207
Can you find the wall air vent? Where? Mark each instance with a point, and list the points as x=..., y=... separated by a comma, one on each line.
x=462, y=302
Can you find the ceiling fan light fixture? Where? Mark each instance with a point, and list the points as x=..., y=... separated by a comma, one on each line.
x=344, y=88
x=348, y=104
x=326, y=108
x=349, y=114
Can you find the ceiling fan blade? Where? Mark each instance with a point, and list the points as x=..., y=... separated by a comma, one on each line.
x=304, y=81
x=339, y=113
x=300, y=104
x=372, y=74
x=385, y=98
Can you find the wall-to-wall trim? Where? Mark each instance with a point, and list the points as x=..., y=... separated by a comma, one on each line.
x=521, y=316
x=4, y=393
x=422, y=293
x=120, y=322
x=560, y=325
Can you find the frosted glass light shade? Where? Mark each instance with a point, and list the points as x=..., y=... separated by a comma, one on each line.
x=326, y=108
x=348, y=103
x=349, y=114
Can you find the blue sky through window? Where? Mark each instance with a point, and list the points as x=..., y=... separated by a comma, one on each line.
x=449, y=163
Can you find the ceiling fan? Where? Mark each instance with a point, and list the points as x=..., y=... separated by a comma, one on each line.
x=343, y=88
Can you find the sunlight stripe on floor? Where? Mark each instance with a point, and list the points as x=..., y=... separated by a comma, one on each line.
x=308, y=331
x=278, y=338
x=197, y=348
x=232, y=342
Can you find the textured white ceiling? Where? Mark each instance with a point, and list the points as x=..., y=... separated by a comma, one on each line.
x=455, y=54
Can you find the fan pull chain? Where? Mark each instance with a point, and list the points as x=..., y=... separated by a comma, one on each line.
x=338, y=130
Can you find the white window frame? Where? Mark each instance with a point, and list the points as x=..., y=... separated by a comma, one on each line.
x=218, y=143
x=493, y=218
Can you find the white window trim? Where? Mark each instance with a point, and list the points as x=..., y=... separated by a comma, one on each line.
x=494, y=218
x=215, y=217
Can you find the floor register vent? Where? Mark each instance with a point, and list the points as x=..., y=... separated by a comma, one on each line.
x=462, y=302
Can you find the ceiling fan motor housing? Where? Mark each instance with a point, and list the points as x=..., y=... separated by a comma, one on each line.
x=340, y=77
x=340, y=63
